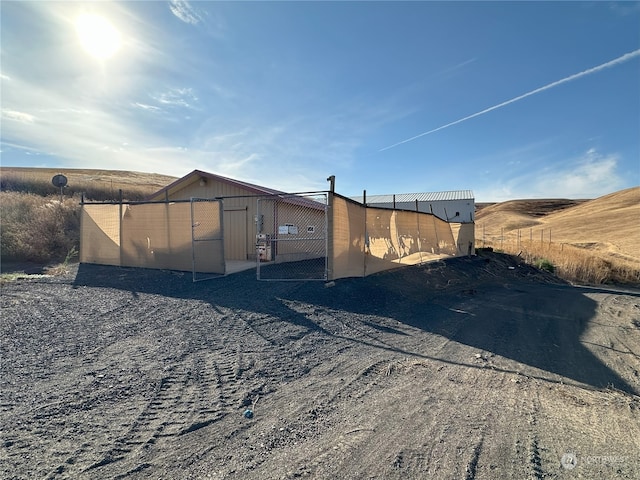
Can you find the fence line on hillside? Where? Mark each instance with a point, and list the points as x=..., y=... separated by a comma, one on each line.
x=578, y=262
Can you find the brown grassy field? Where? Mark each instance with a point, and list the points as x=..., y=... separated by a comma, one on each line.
x=38, y=228
x=95, y=184
x=591, y=241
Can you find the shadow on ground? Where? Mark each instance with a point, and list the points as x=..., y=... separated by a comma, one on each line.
x=493, y=303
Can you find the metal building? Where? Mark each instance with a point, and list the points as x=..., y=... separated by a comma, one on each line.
x=208, y=223
x=239, y=210
x=457, y=206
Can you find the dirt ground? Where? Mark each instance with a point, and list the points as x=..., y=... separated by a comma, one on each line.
x=470, y=368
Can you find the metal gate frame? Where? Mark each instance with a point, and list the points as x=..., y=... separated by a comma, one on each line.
x=315, y=268
x=196, y=238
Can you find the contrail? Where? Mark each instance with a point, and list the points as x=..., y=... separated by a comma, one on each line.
x=624, y=58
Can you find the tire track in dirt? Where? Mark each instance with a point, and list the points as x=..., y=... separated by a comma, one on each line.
x=536, y=471
x=345, y=390
x=244, y=365
x=182, y=403
x=472, y=465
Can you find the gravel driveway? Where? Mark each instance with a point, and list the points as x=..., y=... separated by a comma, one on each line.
x=470, y=368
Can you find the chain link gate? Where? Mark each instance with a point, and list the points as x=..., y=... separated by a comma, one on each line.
x=207, y=239
x=291, y=240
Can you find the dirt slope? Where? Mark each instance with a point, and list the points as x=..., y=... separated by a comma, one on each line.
x=480, y=368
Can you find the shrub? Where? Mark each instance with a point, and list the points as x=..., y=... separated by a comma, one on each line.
x=38, y=229
x=544, y=264
x=576, y=264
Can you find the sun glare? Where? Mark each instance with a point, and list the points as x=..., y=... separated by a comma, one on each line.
x=98, y=36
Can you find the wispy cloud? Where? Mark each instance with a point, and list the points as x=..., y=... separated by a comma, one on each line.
x=17, y=116
x=617, y=61
x=185, y=12
x=590, y=175
x=149, y=108
x=178, y=97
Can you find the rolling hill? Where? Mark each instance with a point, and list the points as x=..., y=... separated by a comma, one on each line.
x=609, y=225
x=38, y=180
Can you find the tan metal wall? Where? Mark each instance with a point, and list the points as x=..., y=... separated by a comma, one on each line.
x=208, y=242
x=240, y=228
x=367, y=240
x=302, y=245
x=236, y=238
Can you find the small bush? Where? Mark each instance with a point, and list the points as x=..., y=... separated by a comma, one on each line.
x=544, y=264
x=38, y=229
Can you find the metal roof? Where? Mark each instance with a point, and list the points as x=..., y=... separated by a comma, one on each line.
x=192, y=176
x=421, y=197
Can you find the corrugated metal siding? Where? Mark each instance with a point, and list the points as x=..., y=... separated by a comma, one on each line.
x=451, y=206
x=239, y=213
x=235, y=233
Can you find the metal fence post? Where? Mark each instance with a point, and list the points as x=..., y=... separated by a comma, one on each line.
x=418, y=241
x=330, y=223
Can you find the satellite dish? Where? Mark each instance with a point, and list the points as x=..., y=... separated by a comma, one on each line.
x=59, y=181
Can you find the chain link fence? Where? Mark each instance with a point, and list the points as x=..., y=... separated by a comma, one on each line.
x=207, y=239
x=177, y=235
x=291, y=243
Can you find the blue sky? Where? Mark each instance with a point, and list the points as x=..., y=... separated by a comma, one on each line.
x=508, y=99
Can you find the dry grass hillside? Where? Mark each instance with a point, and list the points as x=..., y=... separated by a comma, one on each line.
x=39, y=227
x=96, y=184
x=610, y=223
x=515, y=214
x=606, y=228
